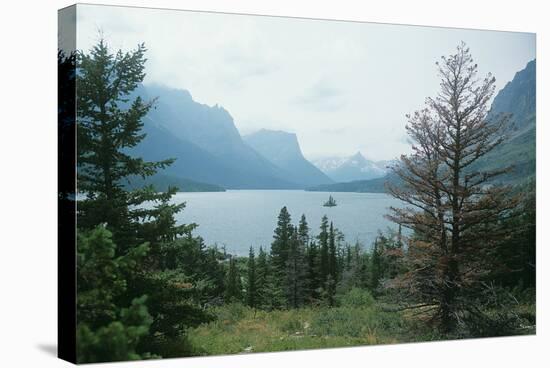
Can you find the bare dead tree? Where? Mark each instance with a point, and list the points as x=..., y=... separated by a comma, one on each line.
x=453, y=209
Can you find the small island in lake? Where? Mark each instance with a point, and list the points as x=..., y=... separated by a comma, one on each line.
x=330, y=203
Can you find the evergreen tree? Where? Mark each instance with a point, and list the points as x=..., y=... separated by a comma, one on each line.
x=355, y=274
x=313, y=275
x=262, y=279
x=303, y=231
x=295, y=272
x=105, y=330
x=233, y=286
x=329, y=291
x=349, y=258
x=324, y=251
x=109, y=123
x=251, y=288
x=376, y=266
x=332, y=253
x=332, y=272
x=515, y=258
x=281, y=241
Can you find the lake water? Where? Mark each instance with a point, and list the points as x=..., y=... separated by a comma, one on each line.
x=239, y=219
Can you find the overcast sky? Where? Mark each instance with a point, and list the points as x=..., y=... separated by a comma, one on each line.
x=342, y=87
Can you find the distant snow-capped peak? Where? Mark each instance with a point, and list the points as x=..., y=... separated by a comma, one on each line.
x=355, y=167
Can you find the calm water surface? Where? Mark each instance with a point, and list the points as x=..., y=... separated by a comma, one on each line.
x=239, y=219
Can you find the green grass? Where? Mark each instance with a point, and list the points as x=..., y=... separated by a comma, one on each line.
x=359, y=319
x=240, y=329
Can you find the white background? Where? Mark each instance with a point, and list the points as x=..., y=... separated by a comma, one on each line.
x=28, y=253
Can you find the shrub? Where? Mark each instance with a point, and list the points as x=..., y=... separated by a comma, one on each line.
x=231, y=313
x=291, y=324
x=356, y=297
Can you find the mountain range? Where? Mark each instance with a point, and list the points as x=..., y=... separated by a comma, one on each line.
x=283, y=150
x=212, y=155
x=209, y=149
x=517, y=99
x=356, y=167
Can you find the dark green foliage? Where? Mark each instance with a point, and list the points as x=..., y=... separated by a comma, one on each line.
x=324, y=251
x=262, y=280
x=329, y=290
x=332, y=253
x=357, y=270
x=303, y=231
x=356, y=297
x=251, y=286
x=295, y=272
x=109, y=124
x=106, y=331
x=101, y=277
x=117, y=340
x=118, y=283
x=233, y=285
x=313, y=274
x=516, y=256
x=376, y=268
x=281, y=241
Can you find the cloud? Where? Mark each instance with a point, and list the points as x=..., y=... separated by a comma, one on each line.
x=339, y=86
x=322, y=96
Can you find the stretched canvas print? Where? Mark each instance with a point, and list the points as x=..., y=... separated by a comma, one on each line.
x=235, y=184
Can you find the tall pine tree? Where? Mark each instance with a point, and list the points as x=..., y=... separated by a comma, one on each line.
x=251, y=287
x=109, y=126
x=323, y=248
x=110, y=123
x=313, y=273
x=233, y=285
x=295, y=272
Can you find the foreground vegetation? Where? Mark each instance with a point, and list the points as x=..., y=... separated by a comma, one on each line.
x=241, y=329
x=147, y=287
x=358, y=320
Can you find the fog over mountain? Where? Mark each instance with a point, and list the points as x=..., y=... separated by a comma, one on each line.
x=282, y=149
x=209, y=149
x=518, y=151
x=342, y=87
x=356, y=167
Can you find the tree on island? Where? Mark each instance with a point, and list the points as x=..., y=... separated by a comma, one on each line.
x=453, y=209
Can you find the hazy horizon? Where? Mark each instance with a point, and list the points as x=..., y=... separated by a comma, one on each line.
x=342, y=87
